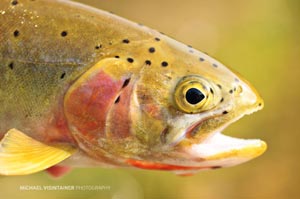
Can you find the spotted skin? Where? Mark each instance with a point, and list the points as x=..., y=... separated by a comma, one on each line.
x=71, y=73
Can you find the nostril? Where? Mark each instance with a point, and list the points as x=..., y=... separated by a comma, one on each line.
x=260, y=104
x=239, y=89
x=248, y=96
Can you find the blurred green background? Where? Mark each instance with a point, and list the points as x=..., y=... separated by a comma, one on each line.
x=258, y=38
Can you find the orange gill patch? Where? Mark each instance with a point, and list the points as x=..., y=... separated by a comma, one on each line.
x=118, y=120
x=98, y=106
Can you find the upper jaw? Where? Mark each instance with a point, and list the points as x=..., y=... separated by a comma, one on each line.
x=219, y=150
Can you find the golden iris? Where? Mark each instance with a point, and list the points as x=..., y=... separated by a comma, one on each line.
x=194, y=94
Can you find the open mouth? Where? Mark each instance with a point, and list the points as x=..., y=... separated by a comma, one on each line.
x=221, y=150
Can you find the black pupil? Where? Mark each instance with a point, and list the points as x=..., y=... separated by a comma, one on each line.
x=194, y=96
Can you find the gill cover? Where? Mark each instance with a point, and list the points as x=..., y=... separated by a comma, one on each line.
x=97, y=104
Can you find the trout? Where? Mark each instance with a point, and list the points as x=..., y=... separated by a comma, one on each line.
x=83, y=87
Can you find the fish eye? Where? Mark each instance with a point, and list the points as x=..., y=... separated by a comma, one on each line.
x=194, y=94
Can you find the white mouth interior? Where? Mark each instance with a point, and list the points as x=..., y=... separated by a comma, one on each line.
x=218, y=143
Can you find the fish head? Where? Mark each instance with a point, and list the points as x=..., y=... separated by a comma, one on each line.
x=180, y=110
x=162, y=107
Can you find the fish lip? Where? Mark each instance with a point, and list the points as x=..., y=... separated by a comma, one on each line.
x=218, y=149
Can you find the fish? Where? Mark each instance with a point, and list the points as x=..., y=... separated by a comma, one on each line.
x=82, y=87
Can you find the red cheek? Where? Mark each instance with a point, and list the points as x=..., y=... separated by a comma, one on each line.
x=118, y=120
x=86, y=107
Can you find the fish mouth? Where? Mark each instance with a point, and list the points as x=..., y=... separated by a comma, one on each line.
x=219, y=150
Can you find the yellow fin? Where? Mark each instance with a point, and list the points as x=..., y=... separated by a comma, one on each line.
x=21, y=155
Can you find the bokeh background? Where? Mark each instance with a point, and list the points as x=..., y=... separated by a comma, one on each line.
x=258, y=38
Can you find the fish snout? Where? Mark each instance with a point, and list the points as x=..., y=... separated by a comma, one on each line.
x=248, y=97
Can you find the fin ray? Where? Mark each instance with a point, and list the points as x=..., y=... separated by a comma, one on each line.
x=21, y=155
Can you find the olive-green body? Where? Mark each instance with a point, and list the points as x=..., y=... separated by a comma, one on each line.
x=38, y=63
x=51, y=50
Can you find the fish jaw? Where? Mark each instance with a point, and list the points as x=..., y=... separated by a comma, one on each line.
x=219, y=150
x=216, y=150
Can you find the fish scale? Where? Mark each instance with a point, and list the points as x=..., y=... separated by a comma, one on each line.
x=89, y=88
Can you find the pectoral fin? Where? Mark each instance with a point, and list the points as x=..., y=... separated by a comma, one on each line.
x=21, y=155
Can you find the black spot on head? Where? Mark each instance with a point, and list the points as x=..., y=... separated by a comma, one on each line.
x=125, y=41
x=117, y=100
x=11, y=65
x=231, y=91
x=164, y=64
x=216, y=167
x=219, y=85
x=201, y=59
x=98, y=47
x=225, y=112
x=260, y=104
x=14, y=2
x=64, y=33
x=63, y=75
x=215, y=65
x=16, y=33
x=148, y=62
x=211, y=90
x=151, y=50
x=126, y=82
x=222, y=100
x=130, y=60
x=157, y=39
x=117, y=56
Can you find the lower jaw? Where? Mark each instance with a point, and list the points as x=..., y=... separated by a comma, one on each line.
x=221, y=150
